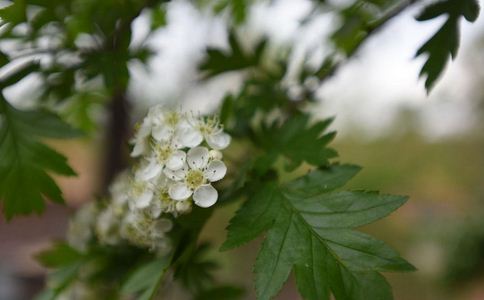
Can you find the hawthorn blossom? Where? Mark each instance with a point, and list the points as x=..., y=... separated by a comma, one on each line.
x=177, y=158
x=196, y=177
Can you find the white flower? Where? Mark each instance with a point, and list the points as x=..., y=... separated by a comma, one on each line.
x=165, y=123
x=81, y=226
x=119, y=190
x=140, y=194
x=107, y=227
x=141, y=139
x=163, y=156
x=195, y=178
x=159, y=125
x=199, y=129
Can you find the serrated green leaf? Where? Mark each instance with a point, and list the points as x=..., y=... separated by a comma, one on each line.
x=445, y=42
x=299, y=141
x=25, y=161
x=334, y=177
x=253, y=218
x=310, y=231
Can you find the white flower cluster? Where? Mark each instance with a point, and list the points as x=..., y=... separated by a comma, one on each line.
x=178, y=159
x=175, y=167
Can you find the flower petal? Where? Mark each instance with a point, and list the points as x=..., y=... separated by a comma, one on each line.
x=155, y=209
x=176, y=174
x=215, y=171
x=141, y=147
x=149, y=170
x=179, y=191
x=144, y=199
x=183, y=206
x=215, y=155
x=162, y=133
x=197, y=157
x=218, y=141
x=205, y=196
x=176, y=160
x=189, y=137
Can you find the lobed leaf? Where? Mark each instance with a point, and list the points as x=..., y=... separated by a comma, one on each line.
x=445, y=42
x=26, y=161
x=309, y=230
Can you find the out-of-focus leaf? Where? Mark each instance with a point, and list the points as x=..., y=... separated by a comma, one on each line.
x=299, y=141
x=25, y=161
x=218, y=61
x=445, y=42
x=195, y=271
x=59, y=255
x=221, y=293
x=145, y=280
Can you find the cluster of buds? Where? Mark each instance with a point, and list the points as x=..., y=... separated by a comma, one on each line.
x=178, y=158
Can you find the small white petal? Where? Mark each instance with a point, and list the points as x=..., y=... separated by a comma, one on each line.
x=215, y=171
x=145, y=129
x=179, y=191
x=218, y=141
x=140, y=147
x=176, y=174
x=155, y=209
x=205, y=196
x=189, y=137
x=183, y=206
x=197, y=157
x=176, y=160
x=149, y=170
x=215, y=155
x=162, y=133
x=144, y=199
x=156, y=112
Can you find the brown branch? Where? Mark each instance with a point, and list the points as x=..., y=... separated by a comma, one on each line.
x=118, y=128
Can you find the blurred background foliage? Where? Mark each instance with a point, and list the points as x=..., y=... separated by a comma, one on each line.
x=440, y=230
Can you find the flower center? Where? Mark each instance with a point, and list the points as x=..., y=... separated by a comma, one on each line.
x=138, y=188
x=209, y=126
x=163, y=153
x=164, y=197
x=172, y=118
x=195, y=178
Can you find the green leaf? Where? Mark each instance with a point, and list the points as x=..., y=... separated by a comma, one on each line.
x=14, y=13
x=195, y=270
x=145, y=280
x=25, y=161
x=239, y=10
x=309, y=230
x=299, y=141
x=59, y=255
x=158, y=18
x=218, y=61
x=445, y=42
